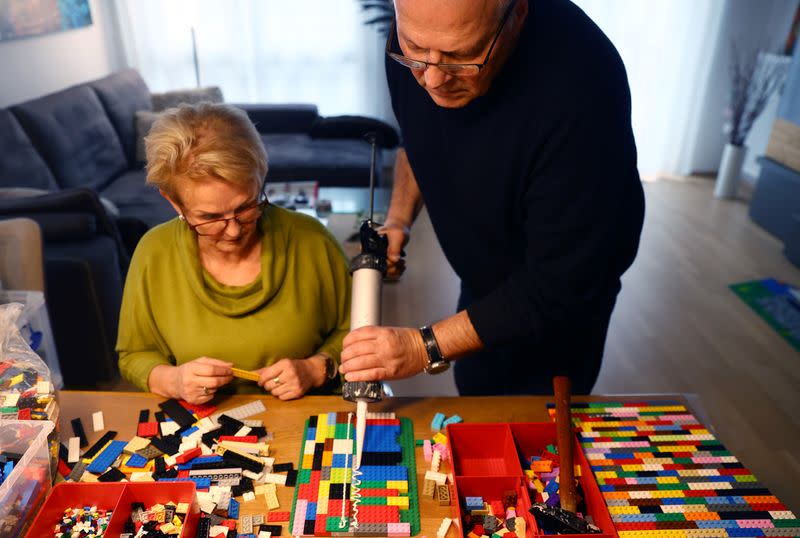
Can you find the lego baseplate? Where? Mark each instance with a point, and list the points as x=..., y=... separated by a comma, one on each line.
x=388, y=504
x=664, y=475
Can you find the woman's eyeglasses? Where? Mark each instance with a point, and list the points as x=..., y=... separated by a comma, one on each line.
x=242, y=216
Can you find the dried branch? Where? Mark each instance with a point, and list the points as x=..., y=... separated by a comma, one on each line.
x=753, y=81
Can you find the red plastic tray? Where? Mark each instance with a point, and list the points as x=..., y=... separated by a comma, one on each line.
x=486, y=462
x=114, y=496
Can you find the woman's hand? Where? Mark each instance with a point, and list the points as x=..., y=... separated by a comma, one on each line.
x=288, y=379
x=194, y=381
x=376, y=353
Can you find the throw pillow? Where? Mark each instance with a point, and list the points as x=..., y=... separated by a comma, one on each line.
x=163, y=101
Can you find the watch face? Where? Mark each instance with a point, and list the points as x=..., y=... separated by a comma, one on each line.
x=437, y=367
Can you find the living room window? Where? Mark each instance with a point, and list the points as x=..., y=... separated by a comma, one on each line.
x=260, y=51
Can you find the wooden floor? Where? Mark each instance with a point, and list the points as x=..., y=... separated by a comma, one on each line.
x=676, y=328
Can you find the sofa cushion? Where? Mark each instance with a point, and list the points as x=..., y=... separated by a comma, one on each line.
x=122, y=94
x=20, y=163
x=281, y=118
x=355, y=127
x=134, y=198
x=331, y=162
x=144, y=121
x=163, y=101
x=74, y=135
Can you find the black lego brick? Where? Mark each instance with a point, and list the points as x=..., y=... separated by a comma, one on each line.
x=77, y=429
x=99, y=445
x=177, y=412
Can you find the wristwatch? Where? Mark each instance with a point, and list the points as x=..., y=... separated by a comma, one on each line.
x=330, y=368
x=436, y=362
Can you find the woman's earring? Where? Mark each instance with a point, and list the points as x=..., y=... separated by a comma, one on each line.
x=181, y=217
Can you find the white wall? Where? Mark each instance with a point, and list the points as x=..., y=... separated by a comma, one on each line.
x=37, y=65
x=751, y=25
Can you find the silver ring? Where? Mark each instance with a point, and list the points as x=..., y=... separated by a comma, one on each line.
x=205, y=391
x=277, y=380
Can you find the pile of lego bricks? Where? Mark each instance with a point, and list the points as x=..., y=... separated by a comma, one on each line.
x=381, y=499
x=223, y=453
x=25, y=394
x=663, y=474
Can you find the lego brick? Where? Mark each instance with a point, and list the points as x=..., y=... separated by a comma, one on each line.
x=77, y=472
x=147, y=429
x=112, y=475
x=455, y=419
x=438, y=420
x=444, y=527
x=98, y=446
x=443, y=495
x=242, y=411
x=135, y=444
x=98, y=422
x=177, y=412
x=244, y=374
x=135, y=460
x=74, y=451
x=77, y=429
x=277, y=517
x=106, y=458
x=149, y=452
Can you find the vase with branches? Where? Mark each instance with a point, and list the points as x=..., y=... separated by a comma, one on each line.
x=753, y=81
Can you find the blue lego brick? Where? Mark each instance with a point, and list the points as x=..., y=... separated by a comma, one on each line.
x=474, y=503
x=383, y=472
x=744, y=533
x=339, y=461
x=136, y=461
x=436, y=423
x=189, y=431
x=455, y=419
x=202, y=483
x=233, y=509
x=311, y=434
x=311, y=511
x=106, y=458
x=382, y=438
x=197, y=461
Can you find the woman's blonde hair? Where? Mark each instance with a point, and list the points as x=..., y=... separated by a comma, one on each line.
x=192, y=142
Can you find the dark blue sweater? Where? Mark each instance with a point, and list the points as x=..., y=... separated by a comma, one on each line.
x=532, y=188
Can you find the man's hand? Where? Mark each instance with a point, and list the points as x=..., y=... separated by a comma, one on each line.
x=288, y=379
x=397, y=234
x=196, y=381
x=377, y=353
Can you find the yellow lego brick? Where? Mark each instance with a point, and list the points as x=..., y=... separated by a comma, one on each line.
x=308, y=461
x=402, y=502
x=399, y=485
x=616, y=510
x=340, y=476
x=440, y=438
x=667, y=480
x=324, y=488
x=327, y=459
x=16, y=380
x=271, y=497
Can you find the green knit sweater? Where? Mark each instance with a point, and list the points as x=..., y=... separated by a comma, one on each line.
x=173, y=311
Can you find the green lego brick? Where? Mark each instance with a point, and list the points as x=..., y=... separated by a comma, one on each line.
x=783, y=523
x=373, y=500
x=419, y=442
x=409, y=460
x=340, y=431
x=333, y=524
x=303, y=475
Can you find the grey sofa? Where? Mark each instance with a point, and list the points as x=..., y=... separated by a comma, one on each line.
x=77, y=145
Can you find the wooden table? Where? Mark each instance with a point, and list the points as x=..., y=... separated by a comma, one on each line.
x=285, y=420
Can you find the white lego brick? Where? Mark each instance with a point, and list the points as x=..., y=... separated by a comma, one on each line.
x=270, y=478
x=98, y=424
x=308, y=447
x=271, y=496
x=142, y=476
x=44, y=387
x=436, y=460
x=205, y=451
x=440, y=479
x=251, y=475
x=340, y=446
x=444, y=527
x=243, y=431
x=248, y=496
x=264, y=534
x=135, y=444
x=216, y=530
x=205, y=425
x=247, y=448
x=241, y=412
x=170, y=460
x=253, y=423
x=189, y=444
x=11, y=400
x=245, y=524
x=258, y=519
x=169, y=427
x=74, y=450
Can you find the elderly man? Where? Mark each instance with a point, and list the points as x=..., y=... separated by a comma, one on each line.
x=515, y=117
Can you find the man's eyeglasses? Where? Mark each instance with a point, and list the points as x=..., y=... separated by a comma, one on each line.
x=242, y=216
x=458, y=70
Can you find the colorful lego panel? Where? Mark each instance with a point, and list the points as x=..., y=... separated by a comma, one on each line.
x=327, y=501
x=664, y=475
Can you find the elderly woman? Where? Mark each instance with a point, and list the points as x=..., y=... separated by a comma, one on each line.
x=232, y=281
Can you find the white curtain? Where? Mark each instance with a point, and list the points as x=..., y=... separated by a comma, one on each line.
x=667, y=47
x=260, y=51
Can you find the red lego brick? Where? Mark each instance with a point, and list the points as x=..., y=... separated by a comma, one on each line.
x=63, y=468
x=183, y=474
x=201, y=411
x=239, y=439
x=188, y=455
x=24, y=414
x=319, y=527
x=378, y=514
x=278, y=516
x=230, y=523
x=147, y=429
